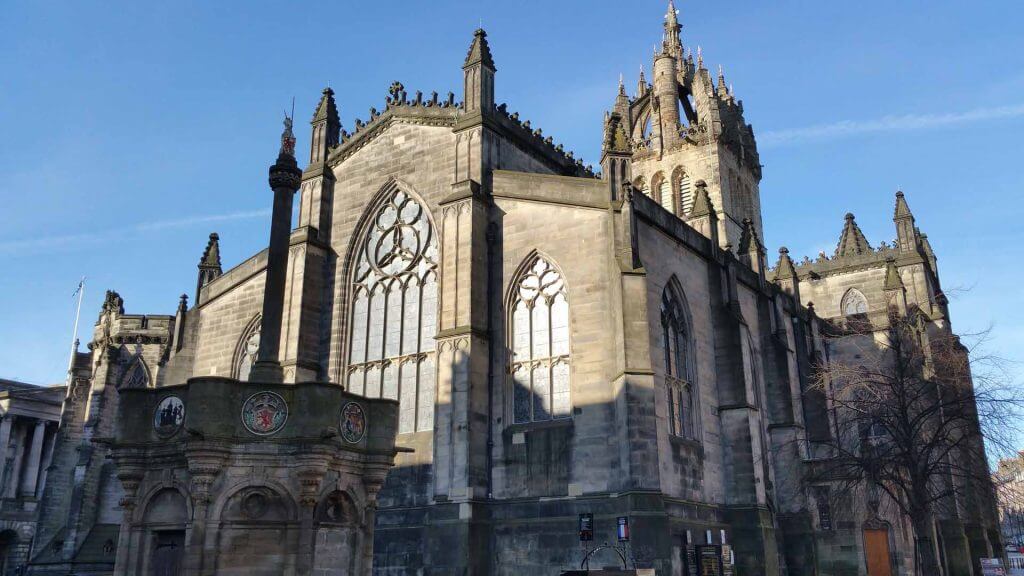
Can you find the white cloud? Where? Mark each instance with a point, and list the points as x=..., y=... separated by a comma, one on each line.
x=72, y=241
x=905, y=123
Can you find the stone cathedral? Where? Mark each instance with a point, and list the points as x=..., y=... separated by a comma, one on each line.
x=466, y=339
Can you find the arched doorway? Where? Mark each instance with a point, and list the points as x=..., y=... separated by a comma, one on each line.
x=165, y=517
x=8, y=543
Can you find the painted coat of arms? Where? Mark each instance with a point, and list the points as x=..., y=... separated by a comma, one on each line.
x=353, y=422
x=264, y=413
x=168, y=416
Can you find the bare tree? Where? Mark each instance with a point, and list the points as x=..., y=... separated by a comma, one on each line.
x=911, y=417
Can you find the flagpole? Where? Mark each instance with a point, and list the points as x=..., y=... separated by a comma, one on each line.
x=74, y=337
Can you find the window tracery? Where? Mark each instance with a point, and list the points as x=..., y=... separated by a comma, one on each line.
x=248, y=349
x=539, y=333
x=678, y=380
x=394, y=311
x=137, y=376
x=853, y=302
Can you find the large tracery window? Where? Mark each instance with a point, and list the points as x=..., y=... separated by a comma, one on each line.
x=394, y=311
x=678, y=380
x=540, y=345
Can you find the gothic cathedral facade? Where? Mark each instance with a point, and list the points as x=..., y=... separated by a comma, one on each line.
x=559, y=341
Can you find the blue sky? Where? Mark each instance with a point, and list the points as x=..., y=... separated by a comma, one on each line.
x=133, y=130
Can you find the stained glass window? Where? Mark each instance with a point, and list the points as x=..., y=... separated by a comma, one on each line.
x=394, y=311
x=540, y=345
x=678, y=381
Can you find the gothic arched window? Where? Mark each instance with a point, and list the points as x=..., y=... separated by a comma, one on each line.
x=685, y=193
x=248, y=347
x=678, y=365
x=853, y=303
x=394, y=311
x=137, y=375
x=665, y=195
x=539, y=333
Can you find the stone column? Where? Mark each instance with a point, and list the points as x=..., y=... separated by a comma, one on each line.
x=35, y=455
x=14, y=478
x=130, y=476
x=5, y=440
x=50, y=446
x=285, y=178
x=311, y=473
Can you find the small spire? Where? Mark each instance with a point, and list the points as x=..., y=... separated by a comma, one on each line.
x=852, y=241
x=622, y=85
x=700, y=57
x=641, y=85
x=722, y=90
x=892, y=275
x=326, y=109
x=749, y=242
x=902, y=209
x=211, y=256
x=671, y=41
x=479, y=51
x=701, y=201
x=785, y=269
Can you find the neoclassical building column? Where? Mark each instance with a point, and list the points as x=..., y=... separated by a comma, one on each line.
x=5, y=440
x=17, y=461
x=35, y=456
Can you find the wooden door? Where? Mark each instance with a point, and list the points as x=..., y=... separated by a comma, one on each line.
x=168, y=553
x=876, y=549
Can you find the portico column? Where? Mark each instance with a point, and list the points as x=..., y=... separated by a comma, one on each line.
x=5, y=440
x=17, y=462
x=35, y=454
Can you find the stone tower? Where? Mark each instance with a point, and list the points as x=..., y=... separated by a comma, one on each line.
x=683, y=127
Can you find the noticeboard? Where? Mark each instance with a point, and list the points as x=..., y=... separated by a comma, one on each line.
x=992, y=567
x=586, y=527
x=709, y=560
